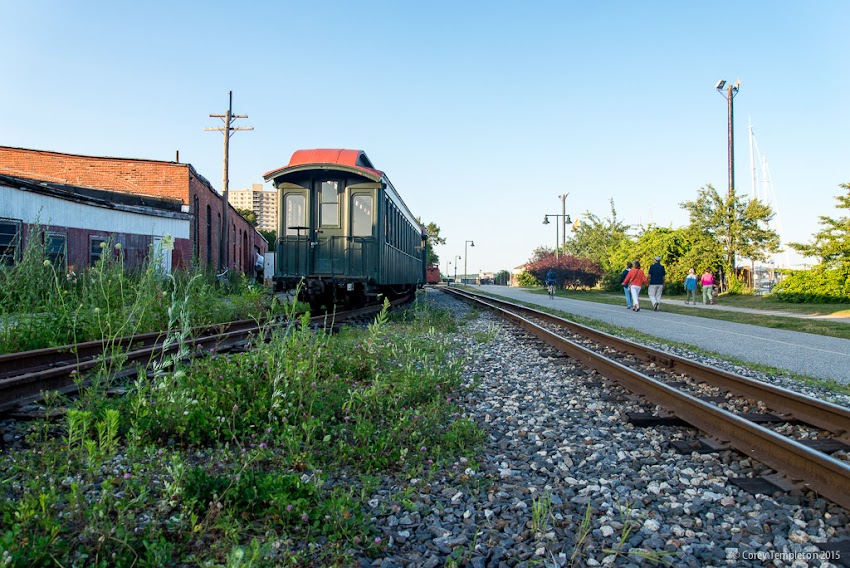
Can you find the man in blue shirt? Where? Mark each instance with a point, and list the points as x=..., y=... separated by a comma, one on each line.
x=656, y=282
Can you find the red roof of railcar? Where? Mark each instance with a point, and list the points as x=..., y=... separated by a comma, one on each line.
x=327, y=156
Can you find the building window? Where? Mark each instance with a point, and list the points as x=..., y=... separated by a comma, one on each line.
x=295, y=214
x=197, y=211
x=56, y=249
x=96, y=248
x=329, y=199
x=10, y=241
x=209, y=235
x=361, y=216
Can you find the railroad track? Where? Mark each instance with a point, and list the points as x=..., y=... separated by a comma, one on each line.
x=799, y=463
x=25, y=376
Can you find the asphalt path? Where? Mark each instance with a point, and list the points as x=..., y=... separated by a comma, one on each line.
x=806, y=354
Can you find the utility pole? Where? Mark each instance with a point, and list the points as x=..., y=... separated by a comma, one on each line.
x=227, y=129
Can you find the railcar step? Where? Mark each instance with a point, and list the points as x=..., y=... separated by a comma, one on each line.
x=648, y=420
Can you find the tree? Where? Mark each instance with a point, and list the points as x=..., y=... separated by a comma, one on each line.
x=595, y=238
x=831, y=244
x=270, y=236
x=540, y=253
x=598, y=239
x=248, y=214
x=739, y=226
x=432, y=240
x=502, y=278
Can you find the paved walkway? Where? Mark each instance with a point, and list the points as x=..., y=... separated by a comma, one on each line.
x=816, y=356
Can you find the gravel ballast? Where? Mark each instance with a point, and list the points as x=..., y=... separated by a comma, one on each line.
x=564, y=480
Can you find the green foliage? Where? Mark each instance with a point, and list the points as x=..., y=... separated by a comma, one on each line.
x=679, y=249
x=270, y=236
x=433, y=240
x=42, y=305
x=820, y=285
x=224, y=451
x=831, y=244
x=527, y=280
x=596, y=239
x=248, y=214
x=739, y=226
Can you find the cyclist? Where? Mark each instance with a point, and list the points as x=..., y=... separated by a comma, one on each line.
x=550, y=282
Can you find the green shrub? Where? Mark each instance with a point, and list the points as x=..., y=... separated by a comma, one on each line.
x=815, y=286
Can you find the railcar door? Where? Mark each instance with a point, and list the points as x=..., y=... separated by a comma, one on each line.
x=293, y=252
x=328, y=242
x=362, y=223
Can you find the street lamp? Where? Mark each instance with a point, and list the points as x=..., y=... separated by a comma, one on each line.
x=729, y=95
x=448, y=263
x=456, y=259
x=566, y=220
x=465, y=255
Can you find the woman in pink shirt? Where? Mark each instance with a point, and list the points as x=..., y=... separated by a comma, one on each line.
x=707, y=281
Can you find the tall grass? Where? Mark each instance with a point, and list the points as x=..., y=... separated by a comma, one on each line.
x=43, y=305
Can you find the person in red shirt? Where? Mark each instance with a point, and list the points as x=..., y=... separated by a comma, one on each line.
x=635, y=279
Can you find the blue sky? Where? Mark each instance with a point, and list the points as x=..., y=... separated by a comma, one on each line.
x=481, y=113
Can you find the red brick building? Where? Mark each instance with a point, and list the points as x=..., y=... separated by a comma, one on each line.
x=152, y=178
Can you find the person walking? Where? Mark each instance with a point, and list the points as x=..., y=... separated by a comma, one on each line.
x=626, y=286
x=550, y=282
x=691, y=287
x=707, y=281
x=636, y=280
x=656, y=282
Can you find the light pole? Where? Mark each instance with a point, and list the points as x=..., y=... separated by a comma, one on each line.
x=465, y=255
x=566, y=220
x=564, y=215
x=456, y=259
x=729, y=95
x=448, y=263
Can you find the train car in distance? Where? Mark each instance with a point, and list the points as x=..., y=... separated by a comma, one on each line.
x=432, y=274
x=344, y=233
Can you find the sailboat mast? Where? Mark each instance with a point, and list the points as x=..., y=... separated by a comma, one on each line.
x=753, y=187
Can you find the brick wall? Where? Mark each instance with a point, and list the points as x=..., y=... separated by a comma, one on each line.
x=144, y=177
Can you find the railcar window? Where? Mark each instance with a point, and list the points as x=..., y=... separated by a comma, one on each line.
x=10, y=239
x=330, y=204
x=295, y=213
x=361, y=216
x=56, y=248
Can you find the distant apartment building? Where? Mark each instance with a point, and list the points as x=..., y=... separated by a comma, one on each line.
x=263, y=203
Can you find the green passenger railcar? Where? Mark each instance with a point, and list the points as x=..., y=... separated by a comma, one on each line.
x=344, y=233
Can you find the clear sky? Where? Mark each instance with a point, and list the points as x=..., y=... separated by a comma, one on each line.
x=480, y=112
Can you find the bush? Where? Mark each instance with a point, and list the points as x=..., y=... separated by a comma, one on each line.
x=815, y=286
x=570, y=271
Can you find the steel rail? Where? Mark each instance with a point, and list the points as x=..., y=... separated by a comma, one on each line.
x=790, y=404
x=819, y=472
x=27, y=361
x=28, y=385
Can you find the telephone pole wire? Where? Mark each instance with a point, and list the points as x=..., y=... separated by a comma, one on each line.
x=227, y=129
